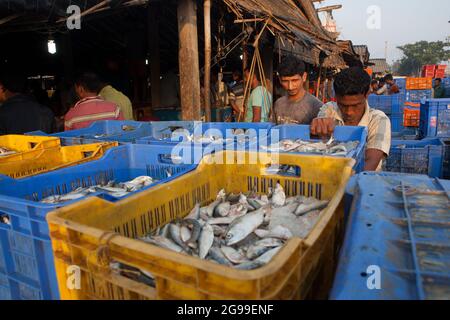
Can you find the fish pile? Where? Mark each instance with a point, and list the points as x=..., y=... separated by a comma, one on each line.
x=244, y=231
x=332, y=147
x=6, y=152
x=117, y=190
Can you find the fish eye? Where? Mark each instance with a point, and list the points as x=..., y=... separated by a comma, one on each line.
x=229, y=236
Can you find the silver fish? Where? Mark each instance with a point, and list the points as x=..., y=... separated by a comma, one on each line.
x=255, y=251
x=249, y=265
x=212, y=206
x=206, y=240
x=185, y=234
x=243, y=226
x=266, y=257
x=255, y=203
x=195, y=212
x=237, y=210
x=222, y=209
x=175, y=234
x=165, y=231
x=279, y=197
x=164, y=243
x=222, y=220
x=218, y=230
x=216, y=254
x=233, y=255
x=196, y=229
x=316, y=205
x=278, y=232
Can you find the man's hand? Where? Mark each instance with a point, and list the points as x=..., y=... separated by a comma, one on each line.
x=372, y=159
x=322, y=127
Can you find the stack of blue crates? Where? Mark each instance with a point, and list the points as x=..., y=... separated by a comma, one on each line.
x=27, y=271
x=396, y=242
x=434, y=118
x=392, y=106
x=420, y=157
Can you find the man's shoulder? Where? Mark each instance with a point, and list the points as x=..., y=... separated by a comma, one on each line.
x=281, y=101
x=377, y=114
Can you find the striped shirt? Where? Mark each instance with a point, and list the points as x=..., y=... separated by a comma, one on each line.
x=377, y=123
x=89, y=110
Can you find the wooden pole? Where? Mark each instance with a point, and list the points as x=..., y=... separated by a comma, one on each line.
x=207, y=80
x=188, y=60
x=153, y=46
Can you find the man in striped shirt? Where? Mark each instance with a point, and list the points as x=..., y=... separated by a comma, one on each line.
x=91, y=107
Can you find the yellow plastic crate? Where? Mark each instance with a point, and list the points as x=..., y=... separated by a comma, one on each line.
x=94, y=232
x=22, y=144
x=43, y=160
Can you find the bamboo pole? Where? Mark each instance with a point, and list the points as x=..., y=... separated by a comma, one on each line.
x=207, y=77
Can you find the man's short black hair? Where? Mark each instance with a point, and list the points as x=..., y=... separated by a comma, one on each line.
x=438, y=79
x=291, y=66
x=388, y=77
x=90, y=81
x=352, y=81
x=13, y=81
x=374, y=82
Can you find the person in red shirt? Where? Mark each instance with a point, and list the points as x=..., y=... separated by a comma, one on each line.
x=91, y=107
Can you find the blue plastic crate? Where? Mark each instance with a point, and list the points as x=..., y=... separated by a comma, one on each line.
x=25, y=246
x=108, y=130
x=397, y=123
x=446, y=162
x=341, y=133
x=402, y=238
x=418, y=95
x=435, y=118
x=401, y=83
x=420, y=157
x=389, y=104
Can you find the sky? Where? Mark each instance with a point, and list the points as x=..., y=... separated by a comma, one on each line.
x=396, y=21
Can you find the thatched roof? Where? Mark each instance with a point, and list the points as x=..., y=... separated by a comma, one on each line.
x=296, y=25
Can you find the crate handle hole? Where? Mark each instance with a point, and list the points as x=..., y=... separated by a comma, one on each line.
x=284, y=170
x=364, y=274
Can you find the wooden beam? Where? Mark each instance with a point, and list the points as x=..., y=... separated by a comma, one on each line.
x=207, y=79
x=188, y=60
x=329, y=8
x=154, y=53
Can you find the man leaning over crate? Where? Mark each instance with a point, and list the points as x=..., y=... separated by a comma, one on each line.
x=352, y=88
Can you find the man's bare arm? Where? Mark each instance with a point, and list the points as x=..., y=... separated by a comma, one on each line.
x=373, y=158
x=256, y=114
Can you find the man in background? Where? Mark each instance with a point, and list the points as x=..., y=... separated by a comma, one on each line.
x=236, y=94
x=439, y=90
x=259, y=103
x=298, y=106
x=20, y=113
x=91, y=106
x=108, y=93
x=392, y=84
